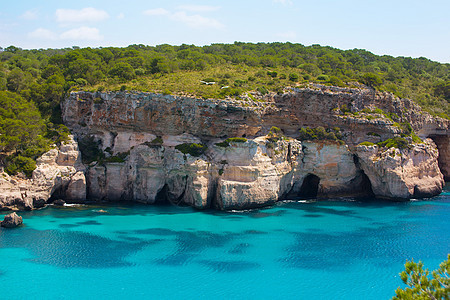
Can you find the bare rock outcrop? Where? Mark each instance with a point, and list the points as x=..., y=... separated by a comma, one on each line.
x=402, y=174
x=11, y=221
x=261, y=170
x=59, y=172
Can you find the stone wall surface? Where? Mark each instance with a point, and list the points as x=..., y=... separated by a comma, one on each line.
x=59, y=173
x=144, y=129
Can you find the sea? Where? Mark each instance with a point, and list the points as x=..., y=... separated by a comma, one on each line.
x=304, y=249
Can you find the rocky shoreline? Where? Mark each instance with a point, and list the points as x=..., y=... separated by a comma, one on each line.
x=144, y=139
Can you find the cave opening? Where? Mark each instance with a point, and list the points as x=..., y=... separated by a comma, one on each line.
x=363, y=185
x=310, y=187
x=162, y=197
x=442, y=143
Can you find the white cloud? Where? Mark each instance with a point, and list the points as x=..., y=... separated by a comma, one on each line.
x=82, y=33
x=121, y=16
x=288, y=35
x=157, y=12
x=193, y=21
x=284, y=2
x=43, y=34
x=88, y=14
x=196, y=21
x=29, y=15
x=198, y=8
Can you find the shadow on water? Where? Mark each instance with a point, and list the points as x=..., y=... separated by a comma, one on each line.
x=90, y=222
x=68, y=225
x=382, y=245
x=229, y=266
x=239, y=248
x=191, y=245
x=71, y=249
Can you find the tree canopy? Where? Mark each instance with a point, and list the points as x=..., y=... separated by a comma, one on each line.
x=44, y=76
x=421, y=286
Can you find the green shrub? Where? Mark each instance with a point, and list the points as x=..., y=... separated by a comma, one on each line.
x=191, y=148
x=223, y=144
x=323, y=78
x=318, y=133
x=262, y=90
x=373, y=134
x=344, y=108
x=293, y=77
x=21, y=164
x=272, y=74
x=236, y=140
x=157, y=141
x=396, y=142
x=366, y=144
x=119, y=158
x=90, y=150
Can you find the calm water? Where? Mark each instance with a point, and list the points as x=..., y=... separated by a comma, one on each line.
x=318, y=250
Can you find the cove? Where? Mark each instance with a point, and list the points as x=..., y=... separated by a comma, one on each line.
x=328, y=249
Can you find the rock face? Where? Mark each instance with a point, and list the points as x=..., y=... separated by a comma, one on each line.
x=261, y=170
x=139, y=134
x=12, y=220
x=59, y=172
x=402, y=174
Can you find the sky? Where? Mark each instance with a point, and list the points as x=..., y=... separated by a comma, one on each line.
x=393, y=27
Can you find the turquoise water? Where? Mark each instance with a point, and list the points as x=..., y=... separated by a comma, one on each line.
x=294, y=250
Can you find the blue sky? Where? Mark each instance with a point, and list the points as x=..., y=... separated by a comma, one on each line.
x=399, y=28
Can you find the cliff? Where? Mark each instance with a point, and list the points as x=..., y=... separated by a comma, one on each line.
x=156, y=148
x=59, y=173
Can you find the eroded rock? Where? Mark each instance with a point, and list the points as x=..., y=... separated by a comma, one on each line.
x=12, y=220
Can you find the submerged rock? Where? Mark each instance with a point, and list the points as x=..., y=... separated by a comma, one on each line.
x=12, y=220
x=59, y=202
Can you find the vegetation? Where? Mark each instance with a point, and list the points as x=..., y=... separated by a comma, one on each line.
x=421, y=286
x=191, y=148
x=396, y=142
x=40, y=79
x=236, y=140
x=366, y=144
x=319, y=133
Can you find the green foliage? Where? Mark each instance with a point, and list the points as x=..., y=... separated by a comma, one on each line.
x=119, y=158
x=223, y=144
x=21, y=164
x=22, y=134
x=442, y=89
x=20, y=122
x=262, y=90
x=323, y=78
x=123, y=71
x=157, y=141
x=236, y=140
x=319, y=133
x=420, y=285
x=58, y=133
x=366, y=144
x=396, y=142
x=293, y=77
x=373, y=134
x=191, y=148
x=344, y=108
x=371, y=79
x=90, y=150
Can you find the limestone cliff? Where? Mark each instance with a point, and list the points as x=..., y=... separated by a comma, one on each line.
x=59, y=173
x=139, y=137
